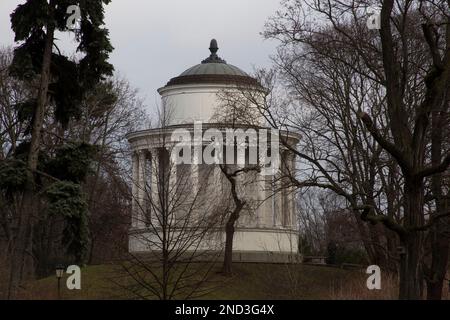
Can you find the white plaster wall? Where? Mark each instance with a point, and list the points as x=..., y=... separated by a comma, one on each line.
x=265, y=240
x=255, y=240
x=194, y=102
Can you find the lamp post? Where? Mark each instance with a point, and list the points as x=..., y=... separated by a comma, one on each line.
x=59, y=274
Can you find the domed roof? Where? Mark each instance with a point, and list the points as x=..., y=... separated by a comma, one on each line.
x=213, y=70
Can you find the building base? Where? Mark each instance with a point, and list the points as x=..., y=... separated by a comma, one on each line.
x=267, y=245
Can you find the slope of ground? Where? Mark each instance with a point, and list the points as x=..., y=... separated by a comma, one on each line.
x=249, y=281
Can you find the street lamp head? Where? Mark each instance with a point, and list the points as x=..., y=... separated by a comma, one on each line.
x=59, y=271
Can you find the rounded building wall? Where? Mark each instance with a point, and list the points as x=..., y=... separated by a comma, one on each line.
x=250, y=244
x=207, y=103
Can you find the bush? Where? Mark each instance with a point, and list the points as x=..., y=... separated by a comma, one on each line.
x=338, y=254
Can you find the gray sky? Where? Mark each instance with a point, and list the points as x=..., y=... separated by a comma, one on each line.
x=155, y=40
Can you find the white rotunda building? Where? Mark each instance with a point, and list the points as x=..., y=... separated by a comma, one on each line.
x=213, y=97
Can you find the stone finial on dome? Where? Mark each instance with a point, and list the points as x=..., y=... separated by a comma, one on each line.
x=213, y=46
x=213, y=58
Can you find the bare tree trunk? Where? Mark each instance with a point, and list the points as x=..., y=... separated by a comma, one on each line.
x=410, y=287
x=233, y=218
x=21, y=251
x=410, y=273
x=439, y=231
x=440, y=248
x=229, y=236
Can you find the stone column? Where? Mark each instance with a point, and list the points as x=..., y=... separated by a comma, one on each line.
x=260, y=196
x=134, y=190
x=284, y=192
x=291, y=196
x=154, y=181
x=141, y=190
x=172, y=174
x=217, y=172
x=195, y=174
x=265, y=201
x=277, y=202
x=173, y=188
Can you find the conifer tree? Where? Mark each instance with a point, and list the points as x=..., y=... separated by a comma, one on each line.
x=62, y=83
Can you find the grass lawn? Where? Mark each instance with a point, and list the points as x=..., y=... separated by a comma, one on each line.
x=249, y=281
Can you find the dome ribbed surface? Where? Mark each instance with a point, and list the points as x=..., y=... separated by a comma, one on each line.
x=214, y=68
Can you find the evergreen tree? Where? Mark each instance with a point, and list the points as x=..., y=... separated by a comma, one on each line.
x=62, y=85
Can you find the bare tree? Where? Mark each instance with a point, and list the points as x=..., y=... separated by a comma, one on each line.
x=401, y=82
x=240, y=202
x=175, y=236
x=110, y=111
x=13, y=96
x=312, y=222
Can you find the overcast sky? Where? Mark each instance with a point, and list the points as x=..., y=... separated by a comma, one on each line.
x=155, y=40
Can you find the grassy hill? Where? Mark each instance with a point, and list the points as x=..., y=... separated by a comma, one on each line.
x=249, y=281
